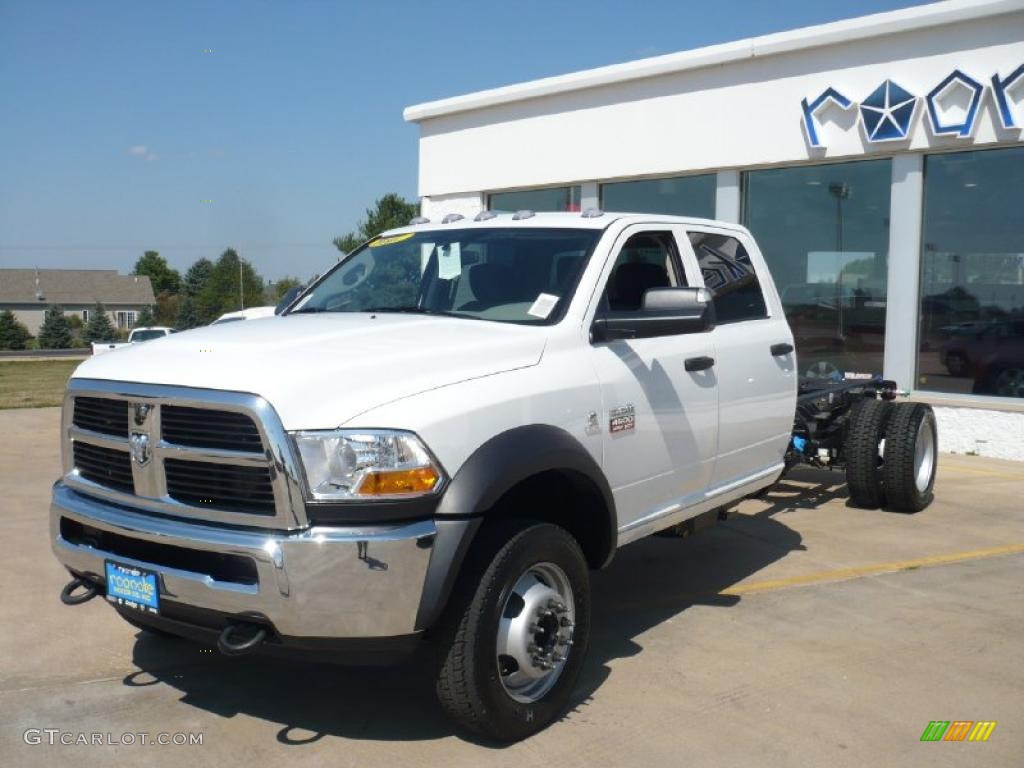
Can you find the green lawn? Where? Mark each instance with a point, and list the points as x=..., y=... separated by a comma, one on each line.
x=34, y=383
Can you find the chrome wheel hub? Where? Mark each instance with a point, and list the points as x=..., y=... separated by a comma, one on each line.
x=924, y=455
x=535, y=632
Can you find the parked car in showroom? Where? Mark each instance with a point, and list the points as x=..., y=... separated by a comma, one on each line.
x=841, y=329
x=990, y=353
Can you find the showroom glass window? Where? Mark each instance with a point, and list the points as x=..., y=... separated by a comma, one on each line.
x=678, y=196
x=971, y=339
x=547, y=199
x=824, y=231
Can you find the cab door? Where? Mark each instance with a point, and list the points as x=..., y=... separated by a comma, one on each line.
x=755, y=360
x=659, y=421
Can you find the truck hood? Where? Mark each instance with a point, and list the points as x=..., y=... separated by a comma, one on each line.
x=320, y=371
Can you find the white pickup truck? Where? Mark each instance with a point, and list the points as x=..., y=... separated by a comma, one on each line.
x=137, y=335
x=439, y=439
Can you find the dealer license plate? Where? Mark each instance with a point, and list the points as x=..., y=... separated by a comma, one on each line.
x=132, y=587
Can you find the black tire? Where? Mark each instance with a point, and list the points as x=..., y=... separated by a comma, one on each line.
x=864, y=433
x=468, y=684
x=911, y=457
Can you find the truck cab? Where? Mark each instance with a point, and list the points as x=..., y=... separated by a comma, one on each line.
x=435, y=442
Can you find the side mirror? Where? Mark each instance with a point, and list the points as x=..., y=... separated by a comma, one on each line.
x=665, y=312
x=290, y=295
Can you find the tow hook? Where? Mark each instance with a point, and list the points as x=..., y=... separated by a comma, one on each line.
x=66, y=596
x=237, y=639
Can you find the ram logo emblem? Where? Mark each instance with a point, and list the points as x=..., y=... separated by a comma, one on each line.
x=139, y=445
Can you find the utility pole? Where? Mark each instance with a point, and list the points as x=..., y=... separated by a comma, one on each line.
x=840, y=192
x=241, y=289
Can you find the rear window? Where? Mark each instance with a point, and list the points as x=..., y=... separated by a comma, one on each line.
x=729, y=273
x=147, y=335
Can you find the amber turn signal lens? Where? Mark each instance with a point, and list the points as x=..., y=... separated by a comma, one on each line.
x=398, y=482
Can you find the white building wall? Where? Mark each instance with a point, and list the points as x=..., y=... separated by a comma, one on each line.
x=739, y=115
x=998, y=434
x=438, y=206
x=735, y=107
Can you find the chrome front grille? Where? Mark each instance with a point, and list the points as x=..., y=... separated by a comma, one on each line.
x=109, y=417
x=242, y=489
x=218, y=456
x=203, y=428
x=104, y=466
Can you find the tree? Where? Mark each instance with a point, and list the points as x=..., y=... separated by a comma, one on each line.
x=277, y=290
x=13, y=335
x=99, y=327
x=222, y=293
x=161, y=276
x=145, y=318
x=197, y=276
x=347, y=243
x=187, y=317
x=388, y=212
x=167, y=305
x=55, y=332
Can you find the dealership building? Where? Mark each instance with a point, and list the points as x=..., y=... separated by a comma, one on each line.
x=879, y=162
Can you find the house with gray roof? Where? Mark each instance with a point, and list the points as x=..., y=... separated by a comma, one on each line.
x=28, y=292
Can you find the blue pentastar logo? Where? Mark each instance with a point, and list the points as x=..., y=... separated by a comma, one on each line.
x=956, y=80
x=887, y=112
x=1001, y=89
x=953, y=106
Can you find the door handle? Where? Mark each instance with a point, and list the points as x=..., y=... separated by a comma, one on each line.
x=699, y=363
x=778, y=350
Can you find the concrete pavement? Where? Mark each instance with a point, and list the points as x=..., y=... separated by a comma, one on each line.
x=799, y=632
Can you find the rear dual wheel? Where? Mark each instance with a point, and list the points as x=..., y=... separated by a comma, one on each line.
x=910, y=458
x=517, y=632
x=891, y=455
x=865, y=431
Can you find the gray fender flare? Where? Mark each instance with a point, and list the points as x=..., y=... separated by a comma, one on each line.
x=491, y=471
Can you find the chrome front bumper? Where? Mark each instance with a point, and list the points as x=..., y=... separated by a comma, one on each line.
x=358, y=581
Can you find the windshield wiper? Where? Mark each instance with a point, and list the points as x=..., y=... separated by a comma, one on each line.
x=406, y=309
x=411, y=308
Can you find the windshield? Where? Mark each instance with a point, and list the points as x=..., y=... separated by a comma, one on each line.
x=512, y=275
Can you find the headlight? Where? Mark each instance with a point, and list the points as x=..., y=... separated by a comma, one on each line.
x=379, y=464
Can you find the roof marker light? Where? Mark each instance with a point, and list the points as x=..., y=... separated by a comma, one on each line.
x=485, y=216
x=418, y=220
x=593, y=213
x=523, y=214
x=452, y=217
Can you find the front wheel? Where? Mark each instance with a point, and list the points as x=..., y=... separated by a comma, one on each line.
x=517, y=633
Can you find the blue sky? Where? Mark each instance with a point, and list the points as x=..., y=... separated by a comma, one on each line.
x=118, y=126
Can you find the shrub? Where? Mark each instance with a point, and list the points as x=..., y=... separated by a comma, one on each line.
x=13, y=334
x=56, y=330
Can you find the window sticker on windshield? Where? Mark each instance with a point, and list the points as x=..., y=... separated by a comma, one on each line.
x=391, y=240
x=542, y=306
x=449, y=261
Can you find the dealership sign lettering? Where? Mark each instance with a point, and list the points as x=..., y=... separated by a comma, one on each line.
x=887, y=113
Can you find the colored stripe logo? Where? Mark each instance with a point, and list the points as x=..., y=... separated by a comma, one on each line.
x=958, y=730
